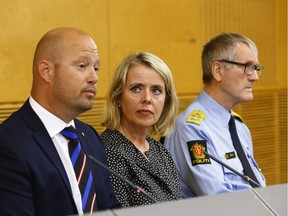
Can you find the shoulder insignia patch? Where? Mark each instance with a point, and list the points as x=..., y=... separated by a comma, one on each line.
x=196, y=148
x=238, y=117
x=196, y=116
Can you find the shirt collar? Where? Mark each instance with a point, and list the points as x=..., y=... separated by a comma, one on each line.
x=212, y=105
x=52, y=123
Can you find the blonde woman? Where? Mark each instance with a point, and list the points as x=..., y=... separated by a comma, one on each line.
x=142, y=101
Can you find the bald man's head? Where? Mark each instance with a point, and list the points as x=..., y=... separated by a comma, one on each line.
x=52, y=45
x=65, y=67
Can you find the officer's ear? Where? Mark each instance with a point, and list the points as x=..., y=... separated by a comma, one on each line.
x=217, y=70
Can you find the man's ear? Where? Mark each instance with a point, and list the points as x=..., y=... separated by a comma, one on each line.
x=217, y=71
x=45, y=70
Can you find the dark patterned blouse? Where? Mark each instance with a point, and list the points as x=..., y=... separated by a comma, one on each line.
x=158, y=176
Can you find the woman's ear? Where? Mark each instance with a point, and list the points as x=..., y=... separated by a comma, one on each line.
x=45, y=70
x=119, y=102
x=217, y=70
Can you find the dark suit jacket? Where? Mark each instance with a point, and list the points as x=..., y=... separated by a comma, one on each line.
x=33, y=180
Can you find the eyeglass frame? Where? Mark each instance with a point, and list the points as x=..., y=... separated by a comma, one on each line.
x=258, y=68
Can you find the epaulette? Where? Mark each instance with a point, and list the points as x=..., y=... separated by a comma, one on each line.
x=196, y=116
x=237, y=116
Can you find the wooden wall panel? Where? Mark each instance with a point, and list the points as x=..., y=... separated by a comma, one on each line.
x=280, y=65
x=170, y=29
x=256, y=20
x=24, y=22
x=282, y=131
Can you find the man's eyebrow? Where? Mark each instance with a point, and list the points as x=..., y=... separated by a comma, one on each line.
x=85, y=57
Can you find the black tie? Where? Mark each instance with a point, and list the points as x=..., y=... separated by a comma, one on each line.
x=83, y=174
x=240, y=152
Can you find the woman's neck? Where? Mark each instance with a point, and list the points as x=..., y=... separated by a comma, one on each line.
x=138, y=138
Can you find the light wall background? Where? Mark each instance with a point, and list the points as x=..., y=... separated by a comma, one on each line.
x=176, y=31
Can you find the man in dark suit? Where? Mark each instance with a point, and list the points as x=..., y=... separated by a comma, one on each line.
x=36, y=173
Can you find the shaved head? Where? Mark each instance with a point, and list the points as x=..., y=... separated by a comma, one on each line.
x=65, y=66
x=51, y=46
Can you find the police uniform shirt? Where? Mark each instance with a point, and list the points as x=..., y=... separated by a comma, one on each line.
x=204, y=126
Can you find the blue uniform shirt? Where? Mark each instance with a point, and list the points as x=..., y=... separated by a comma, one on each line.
x=205, y=123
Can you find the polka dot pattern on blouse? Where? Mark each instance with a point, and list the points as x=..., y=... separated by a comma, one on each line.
x=157, y=175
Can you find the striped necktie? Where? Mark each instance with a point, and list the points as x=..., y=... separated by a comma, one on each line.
x=83, y=174
x=240, y=152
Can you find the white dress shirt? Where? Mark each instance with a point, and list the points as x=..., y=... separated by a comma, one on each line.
x=54, y=126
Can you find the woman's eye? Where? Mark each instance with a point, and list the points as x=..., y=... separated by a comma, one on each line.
x=135, y=89
x=157, y=91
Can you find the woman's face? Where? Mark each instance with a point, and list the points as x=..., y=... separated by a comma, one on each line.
x=143, y=98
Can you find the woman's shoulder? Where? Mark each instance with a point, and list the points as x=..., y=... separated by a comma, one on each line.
x=110, y=138
x=156, y=146
x=114, y=141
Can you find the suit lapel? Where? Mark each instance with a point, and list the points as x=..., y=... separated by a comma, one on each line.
x=43, y=139
x=85, y=143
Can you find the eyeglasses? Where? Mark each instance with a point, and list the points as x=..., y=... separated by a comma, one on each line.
x=249, y=69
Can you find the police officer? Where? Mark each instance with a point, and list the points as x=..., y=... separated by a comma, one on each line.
x=230, y=68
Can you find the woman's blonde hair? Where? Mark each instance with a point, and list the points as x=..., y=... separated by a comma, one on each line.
x=166, y=121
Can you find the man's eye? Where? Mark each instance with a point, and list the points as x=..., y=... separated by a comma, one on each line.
x=82, y=66
x=257, y=67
